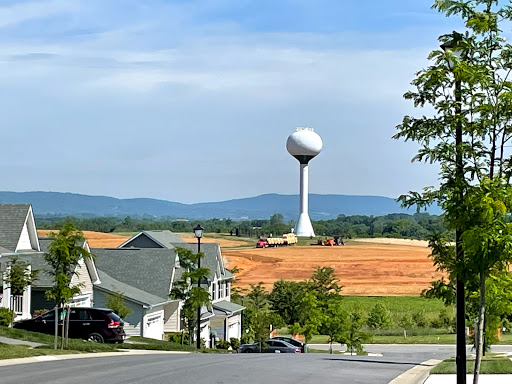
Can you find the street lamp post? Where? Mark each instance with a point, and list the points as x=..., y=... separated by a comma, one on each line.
x=198, y=233
x=459, y=253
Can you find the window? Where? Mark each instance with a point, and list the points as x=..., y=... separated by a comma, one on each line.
x=220, y=289
x=226, y=289
x=79, y=314
x=213, y=291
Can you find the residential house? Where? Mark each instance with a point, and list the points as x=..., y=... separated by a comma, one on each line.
x=144, y=269
x=18, y=239
x=85, y=276
x=144, y=276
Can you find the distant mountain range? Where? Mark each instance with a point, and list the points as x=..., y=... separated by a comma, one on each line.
x=259, y=207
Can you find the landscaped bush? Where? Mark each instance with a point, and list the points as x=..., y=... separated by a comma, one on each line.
x=223, y=344
x=235, y=343
x=6, y=317
x=419, y=319
x=178, y=338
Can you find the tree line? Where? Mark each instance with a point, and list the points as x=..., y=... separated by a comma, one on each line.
x=399, y=225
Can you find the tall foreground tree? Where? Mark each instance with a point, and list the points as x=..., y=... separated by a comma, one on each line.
x=468, y=134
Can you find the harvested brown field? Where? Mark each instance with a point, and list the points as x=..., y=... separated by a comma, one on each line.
x=110, y=240
x=363, y=268
x=223, y=242
x=95, y=239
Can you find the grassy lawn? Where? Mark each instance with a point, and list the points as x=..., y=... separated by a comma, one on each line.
x=77, y=346
x=8, y=351
x=490, y=364
x=398, y=305
x=152, y=344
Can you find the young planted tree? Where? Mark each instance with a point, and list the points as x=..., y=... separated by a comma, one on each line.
x=259, y=318
x=186, y=288
x=117, y=303
x=354, y=336
x=468, y=134
x=64, y=253
x=379, y=317
x=19, y=276
x=335, y=322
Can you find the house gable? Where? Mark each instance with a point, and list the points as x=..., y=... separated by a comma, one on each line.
x=141, y=240
x=17, y=228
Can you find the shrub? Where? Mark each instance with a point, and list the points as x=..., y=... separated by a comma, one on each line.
x=6, y=317
x=379, y=317
x=245, y=339
x=223, y=344
x=419, y=319
x=235, y=343
x=178, y=337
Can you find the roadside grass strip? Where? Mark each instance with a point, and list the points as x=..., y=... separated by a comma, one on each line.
x=492, y=364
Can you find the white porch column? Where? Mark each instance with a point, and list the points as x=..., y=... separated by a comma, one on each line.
x=6, y=299
x=27, y=299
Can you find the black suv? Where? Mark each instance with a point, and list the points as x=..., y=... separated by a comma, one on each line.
x=93, y=324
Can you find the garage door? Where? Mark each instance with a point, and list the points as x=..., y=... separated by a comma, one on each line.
x=154, y=325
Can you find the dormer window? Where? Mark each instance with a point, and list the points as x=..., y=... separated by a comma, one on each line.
x=214, y=291
x=226, y=289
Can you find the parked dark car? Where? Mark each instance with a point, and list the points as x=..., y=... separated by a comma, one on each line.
x=269, y=346
x=292, y=341
x=93, y=324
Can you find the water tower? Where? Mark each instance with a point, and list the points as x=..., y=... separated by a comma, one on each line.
x=304, y=144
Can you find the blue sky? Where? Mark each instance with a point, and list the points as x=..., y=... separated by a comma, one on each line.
x=192, y=101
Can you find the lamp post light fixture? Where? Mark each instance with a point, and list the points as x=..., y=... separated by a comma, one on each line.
x=452, y=47
x=198, y=233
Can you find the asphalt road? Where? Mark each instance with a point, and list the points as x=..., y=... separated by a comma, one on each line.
x=233, y=368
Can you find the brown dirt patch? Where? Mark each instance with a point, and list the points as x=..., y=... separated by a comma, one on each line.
x=363, y=269
x=223, y=242
x=95, y=239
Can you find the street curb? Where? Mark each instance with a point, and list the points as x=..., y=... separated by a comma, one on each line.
x=416, y=375
x=47, y=358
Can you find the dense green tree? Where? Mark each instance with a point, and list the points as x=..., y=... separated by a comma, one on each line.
x=285, y=299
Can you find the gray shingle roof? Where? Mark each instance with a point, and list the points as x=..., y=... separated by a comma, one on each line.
x=112, y=285
x=227, y=307
x=212, y=258
x=12, y=219
x=147, y=269
x=163, y=238
x=4, y=250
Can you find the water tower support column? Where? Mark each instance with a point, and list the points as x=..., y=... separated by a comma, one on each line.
x=304, y=226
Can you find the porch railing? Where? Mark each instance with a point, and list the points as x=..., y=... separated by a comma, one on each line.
x=17, y=304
